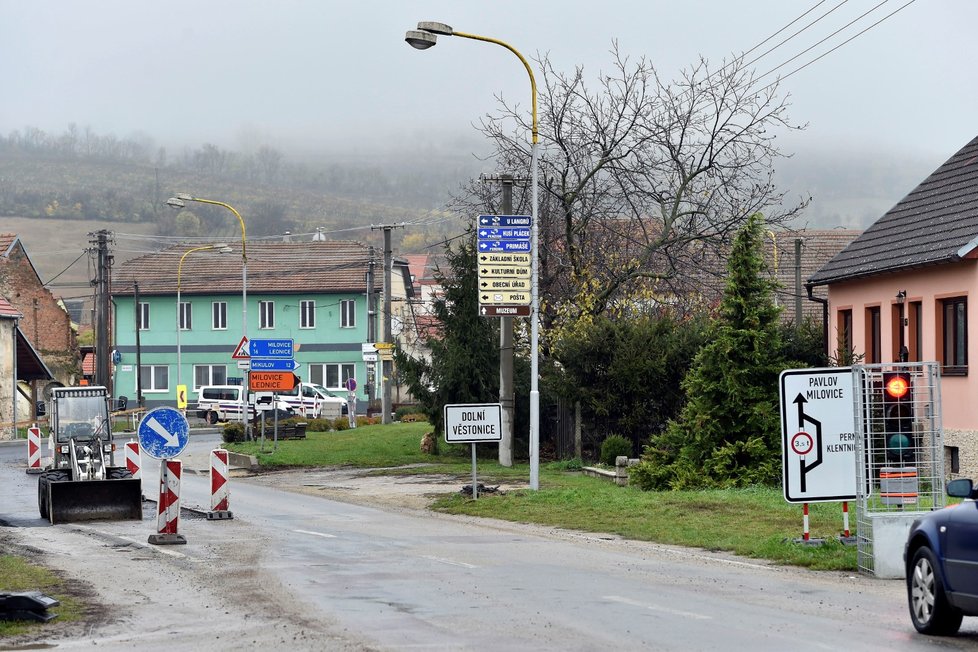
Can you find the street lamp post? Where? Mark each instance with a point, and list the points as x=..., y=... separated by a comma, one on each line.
x=220, y=247
x=423, y=38
x=179, y=202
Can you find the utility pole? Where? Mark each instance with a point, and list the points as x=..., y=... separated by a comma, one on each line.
x=371, y=326
x=386, y=364
x=139, y=361
x=507, y=395
x=102, y=272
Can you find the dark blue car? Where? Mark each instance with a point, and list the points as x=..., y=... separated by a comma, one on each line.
x=942, y=564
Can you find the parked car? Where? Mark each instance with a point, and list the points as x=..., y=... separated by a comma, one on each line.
x=223, y=403
x=313, y=401
x=942, y=564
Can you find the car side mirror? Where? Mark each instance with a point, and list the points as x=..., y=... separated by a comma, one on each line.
x=960, y=488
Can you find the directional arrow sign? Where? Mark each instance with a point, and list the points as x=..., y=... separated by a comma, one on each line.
x=818, y=435
x=496, y=233
x=505, y=284
x=504, y=245
x=505, y=220
x=163, y=433
x=273, y=364
x=504, y=271
x=505, y=297
x=504, y=259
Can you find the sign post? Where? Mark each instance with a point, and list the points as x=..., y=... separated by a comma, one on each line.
x=351, y=401
x=473, y=423
x=818, y=434
x=163, y=434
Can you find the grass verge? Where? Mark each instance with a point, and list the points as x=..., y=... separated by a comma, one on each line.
x=753, y=522
x=18, y=574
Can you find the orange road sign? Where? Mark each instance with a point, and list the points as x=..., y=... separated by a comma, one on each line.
x=271, y=381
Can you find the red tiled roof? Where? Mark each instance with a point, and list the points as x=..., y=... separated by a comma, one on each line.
x=8, y=311
x=6, y=241
x=280, y=267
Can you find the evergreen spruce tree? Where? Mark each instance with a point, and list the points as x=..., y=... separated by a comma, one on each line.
x=464, y=364
x=728, y=432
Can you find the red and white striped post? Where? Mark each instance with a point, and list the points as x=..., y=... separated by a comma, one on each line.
x=220, y=491
x=845, y=518
x=34, y=450
x=805, y=520
x=133, y=460
x=168, y=515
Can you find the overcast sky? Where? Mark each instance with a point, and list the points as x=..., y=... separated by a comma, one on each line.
x=326, y=73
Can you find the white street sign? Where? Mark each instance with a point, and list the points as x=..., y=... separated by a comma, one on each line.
x=473, y=423
x=818, y=434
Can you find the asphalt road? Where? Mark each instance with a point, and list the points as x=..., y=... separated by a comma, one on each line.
x=345, y=576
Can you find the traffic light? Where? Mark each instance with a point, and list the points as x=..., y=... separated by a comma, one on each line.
x=898, y=417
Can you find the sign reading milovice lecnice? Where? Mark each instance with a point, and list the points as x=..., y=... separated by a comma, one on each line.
x=818, y=432
x=473, y=423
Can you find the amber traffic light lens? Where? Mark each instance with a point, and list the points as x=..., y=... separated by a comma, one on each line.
x=897, y=386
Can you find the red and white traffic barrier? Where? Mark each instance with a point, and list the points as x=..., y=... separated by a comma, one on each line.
x=845, y=518
x=168, y=514
x=34, y=450
x=133, y=460
x=220, y=491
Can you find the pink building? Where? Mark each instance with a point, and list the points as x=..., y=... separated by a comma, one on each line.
x=905, y=284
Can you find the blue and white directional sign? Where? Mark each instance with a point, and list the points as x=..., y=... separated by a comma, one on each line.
x=271, y=348
x=504, y=245
x=505, y=220
x=163, y=432
x=496, y=233
x=273, y=364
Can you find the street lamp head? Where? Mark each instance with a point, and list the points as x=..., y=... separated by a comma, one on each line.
x=174, y=202
x=225, y=249
x=435, y=28
x=420, y=40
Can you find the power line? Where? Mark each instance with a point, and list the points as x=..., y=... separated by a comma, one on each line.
x=766, y=52
x=802, y=67
x=45, y=284
x=816, y=44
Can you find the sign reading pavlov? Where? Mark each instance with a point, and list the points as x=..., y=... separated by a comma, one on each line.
x=473, y=423
x=818, y=427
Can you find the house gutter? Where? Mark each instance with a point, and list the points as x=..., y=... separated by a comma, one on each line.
x=825, y=315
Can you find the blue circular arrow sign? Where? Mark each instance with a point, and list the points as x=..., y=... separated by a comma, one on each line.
x=163, y=432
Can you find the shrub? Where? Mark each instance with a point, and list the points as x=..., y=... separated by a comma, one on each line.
x=613, y=446
x=405, y=411
x=341, y=423
x=412, y=417
x=233, y=432
x=319, y=425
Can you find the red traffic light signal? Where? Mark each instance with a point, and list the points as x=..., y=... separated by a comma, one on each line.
x=896, y=385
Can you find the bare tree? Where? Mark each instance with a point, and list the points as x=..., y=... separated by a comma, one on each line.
x=642, y=179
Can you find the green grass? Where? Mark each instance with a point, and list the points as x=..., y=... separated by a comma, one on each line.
x=754, y=522
x=16, y=575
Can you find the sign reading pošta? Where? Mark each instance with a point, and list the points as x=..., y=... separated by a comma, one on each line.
x=473, y=423
x=818, y=427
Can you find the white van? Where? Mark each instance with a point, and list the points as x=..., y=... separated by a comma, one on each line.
x=313, y=401
x=223, y=403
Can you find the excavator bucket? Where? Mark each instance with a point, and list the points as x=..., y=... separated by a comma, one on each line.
x=91, y=500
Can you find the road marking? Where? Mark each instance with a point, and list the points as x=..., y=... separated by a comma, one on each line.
x=655, y=607
x=316, y=534
x=450, y=562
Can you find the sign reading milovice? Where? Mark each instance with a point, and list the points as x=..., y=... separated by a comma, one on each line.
x=473, y=423
x=818, y=427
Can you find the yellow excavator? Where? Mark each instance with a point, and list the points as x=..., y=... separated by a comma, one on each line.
x=82, y=483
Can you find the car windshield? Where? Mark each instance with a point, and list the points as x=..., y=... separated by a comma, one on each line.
x=325, y=392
